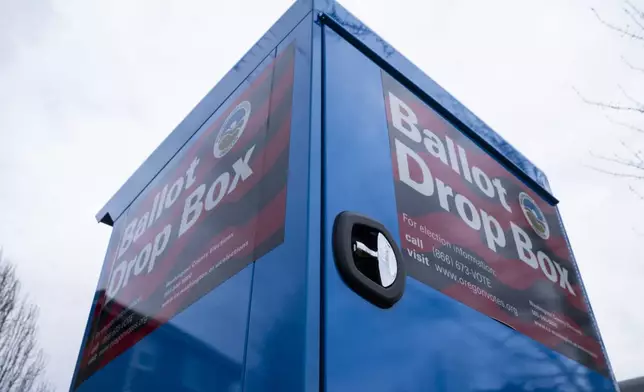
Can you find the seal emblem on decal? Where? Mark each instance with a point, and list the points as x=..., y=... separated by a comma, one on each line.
x=232, y=129
x=534, y=216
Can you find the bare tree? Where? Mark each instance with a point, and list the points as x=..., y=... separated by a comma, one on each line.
x=22, y=363
x=629, y=162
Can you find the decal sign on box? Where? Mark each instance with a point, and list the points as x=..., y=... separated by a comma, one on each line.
x=475, y=232
x=218, y=206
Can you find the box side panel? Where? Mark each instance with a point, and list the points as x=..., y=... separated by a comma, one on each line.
x=413, y=78
x=174, y=301
x=453, y=328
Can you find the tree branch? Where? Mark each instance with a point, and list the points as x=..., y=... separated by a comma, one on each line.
x=638, y=165
x=21, y=361
x=631, y=66
x=609, y=105
x=636, y=153
x=634, y=13
x=617, y=28
x=617, y=174
x=636, y=192
x=625, y=125
x=630, y=98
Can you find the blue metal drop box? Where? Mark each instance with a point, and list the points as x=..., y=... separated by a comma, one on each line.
x=224, y=271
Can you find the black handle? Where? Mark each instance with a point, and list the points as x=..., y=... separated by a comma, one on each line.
x=368, y=259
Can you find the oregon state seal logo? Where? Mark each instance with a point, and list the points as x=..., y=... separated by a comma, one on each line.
x=534, y=216
x=232, y=129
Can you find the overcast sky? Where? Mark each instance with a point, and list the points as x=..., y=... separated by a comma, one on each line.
x=89, y=88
